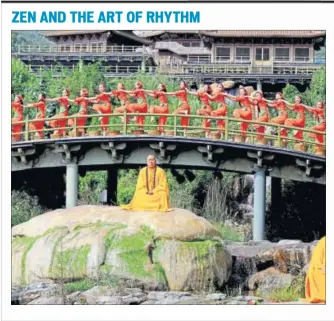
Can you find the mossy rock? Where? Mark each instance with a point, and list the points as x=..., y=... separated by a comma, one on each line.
x=175, y=250
x=20, y=249
x=43, y=249
x=130, y=256
x=80, y=253
x=194, y=266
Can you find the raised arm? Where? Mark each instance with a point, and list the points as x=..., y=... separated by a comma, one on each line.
x=289, y=105
x=129, y=92
x=51, y=99
x=309, y=109
x=29, y=106
x=211, y=97
x=149, y=93
x=231, y=97
x=193, y=93
x=270, y=103
x=111, y=93
x=171, y=93
x=93, y=100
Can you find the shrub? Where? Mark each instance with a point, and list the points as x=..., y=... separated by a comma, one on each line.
x=24, y=207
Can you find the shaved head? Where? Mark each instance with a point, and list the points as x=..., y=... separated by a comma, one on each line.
x=151, y=161
x=150, y=156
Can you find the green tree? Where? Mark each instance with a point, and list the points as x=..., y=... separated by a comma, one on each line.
x=127, y=180
x=289, y=93
x=317, y=90
x=24, y=207
x=91, y=185
x=28, y=38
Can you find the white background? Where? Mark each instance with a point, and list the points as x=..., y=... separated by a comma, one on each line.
x=213, y=17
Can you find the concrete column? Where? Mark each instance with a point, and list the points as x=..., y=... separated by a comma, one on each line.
x=72, y=181
x=259, y=204
x=259, y=86
x=112, y=186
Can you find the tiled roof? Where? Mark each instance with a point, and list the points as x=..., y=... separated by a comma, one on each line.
x=242, y=33
x=127, y=34
x=69, y=32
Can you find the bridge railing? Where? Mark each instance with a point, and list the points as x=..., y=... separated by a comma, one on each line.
x=230, y=132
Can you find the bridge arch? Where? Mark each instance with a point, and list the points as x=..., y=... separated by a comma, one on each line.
x=126, y=151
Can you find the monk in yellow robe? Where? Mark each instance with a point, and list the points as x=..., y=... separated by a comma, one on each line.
x=315, y=283
x=152, y=193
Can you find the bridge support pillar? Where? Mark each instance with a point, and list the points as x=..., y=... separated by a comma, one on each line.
x=259, y=86
x=112, y=186
x=259, y=204
x=72, y=181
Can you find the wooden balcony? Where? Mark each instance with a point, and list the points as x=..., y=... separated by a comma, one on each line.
x=115, y=69
x=79, y=51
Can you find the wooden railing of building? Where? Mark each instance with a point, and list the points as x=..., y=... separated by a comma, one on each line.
x=231, y=132
x=45, y=49
x=193, y=69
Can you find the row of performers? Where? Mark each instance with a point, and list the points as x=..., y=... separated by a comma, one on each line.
x=254, y=107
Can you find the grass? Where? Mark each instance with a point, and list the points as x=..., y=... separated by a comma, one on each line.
x=82, y=285
x=71, y=262
x=287, y=294
x=290, y=293
x=229, y=233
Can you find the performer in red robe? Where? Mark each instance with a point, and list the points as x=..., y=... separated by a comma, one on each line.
x=60, y=124
x=159, y=94
x=37, y=124
x=17, y=106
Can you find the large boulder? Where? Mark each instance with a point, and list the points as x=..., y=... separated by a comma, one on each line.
x=176, y=250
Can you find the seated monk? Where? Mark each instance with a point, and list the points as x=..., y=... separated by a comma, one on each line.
x=152, y=192
x=315, y=283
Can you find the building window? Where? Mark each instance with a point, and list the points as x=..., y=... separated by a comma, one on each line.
x=262, y=54
x=100, y=47
x=97, y=46
x=64, y=48
x=242, y=54
x=190, y=43
x=83, y=48
x=77, y=47
x=302, y=54
x=223, y=53
x=282, y=54
x=199, y=59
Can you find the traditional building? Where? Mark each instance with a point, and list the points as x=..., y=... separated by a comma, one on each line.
x=94, y=40
x=246, y=56
x=118, y=51
x=262, y=58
